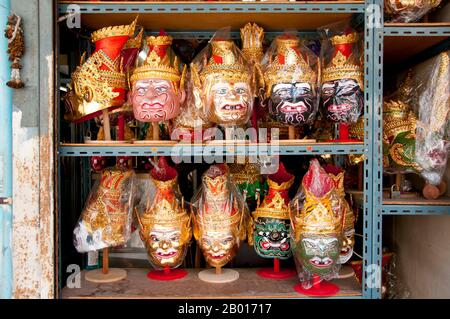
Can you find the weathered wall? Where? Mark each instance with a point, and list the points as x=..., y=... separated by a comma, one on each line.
x=421, y=243
x=33, y=219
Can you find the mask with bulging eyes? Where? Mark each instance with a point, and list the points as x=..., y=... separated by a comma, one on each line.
x=342, y=100
x=272, y=237
x=318, y=254
x=291, y=103
x=156, y=100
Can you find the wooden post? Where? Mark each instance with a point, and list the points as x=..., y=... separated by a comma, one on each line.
x=291, y=132
x=218, y=270
x=155, y=127
x=106, y=125
x=105, y=268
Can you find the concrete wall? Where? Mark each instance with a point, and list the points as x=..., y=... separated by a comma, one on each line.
x=423, y=255
x=33, y=156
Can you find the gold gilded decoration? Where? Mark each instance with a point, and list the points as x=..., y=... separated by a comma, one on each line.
x=289, y=66
x=252, y=37
x=136, y=42
x=114, y=31
x=247, y=173
x=106, y=212
x=341, y=68
x=230, y=68
x=356, y=130
x=166, y=68
x=344, y=39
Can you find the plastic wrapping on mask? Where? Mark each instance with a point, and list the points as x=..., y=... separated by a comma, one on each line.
x=221, y=216
x=190, y=125
x=349, y=219
x=248, y=179
x=316, y=232
x=393, y=287
x=223, y=83
x=270, y=226
x=163, y=218
x=399, y=130
x=342, y=76
x=290, y=72
x=432, y=96
x=408, y=10
x=157, y=82
x=106, y=218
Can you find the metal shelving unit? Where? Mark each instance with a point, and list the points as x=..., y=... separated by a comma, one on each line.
x=431, y=38
x=314, y=14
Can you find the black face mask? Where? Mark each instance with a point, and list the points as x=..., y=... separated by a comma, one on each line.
x=342, y=100
x=291, y=103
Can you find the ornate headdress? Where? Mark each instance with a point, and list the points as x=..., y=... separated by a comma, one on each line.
x=321, y=213
x=99, y=83
x=161, y=62
x=289, y=64
x=224, y=64
x=220, y=209
x=342, y=66
x=166, y=210
x=276, y=203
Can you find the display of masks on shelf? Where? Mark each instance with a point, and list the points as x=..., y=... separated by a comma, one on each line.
x=342, y=81
x=106, y=218
x=164, y=218
x=220, y=216
x=317, y=226
x=269, y=227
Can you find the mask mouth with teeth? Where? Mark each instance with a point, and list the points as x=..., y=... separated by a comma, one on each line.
x=291, y=103
x=342, y=100
x=272, y=238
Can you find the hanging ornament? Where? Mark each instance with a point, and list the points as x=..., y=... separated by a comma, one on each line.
x=16, y=48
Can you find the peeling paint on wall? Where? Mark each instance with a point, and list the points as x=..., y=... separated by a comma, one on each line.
x=26, y=221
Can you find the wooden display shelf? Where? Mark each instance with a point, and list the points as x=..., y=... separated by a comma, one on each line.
x=249, y=285
x=443, y=201
x=401, y=48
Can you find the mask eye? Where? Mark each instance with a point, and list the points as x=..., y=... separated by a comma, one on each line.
x=141, y=90
x=154, y=238
x=161, y=89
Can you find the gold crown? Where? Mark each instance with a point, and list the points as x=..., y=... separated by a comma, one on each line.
x=318, y=216
x=114, y=31
x=338, y=181
x=394, y=126
x=164, y=213
x=340, y=68
x=136, y=42
x=252, y=37
x=294, y=69
x=157, y=67
x=345, y=39
x=229, y=69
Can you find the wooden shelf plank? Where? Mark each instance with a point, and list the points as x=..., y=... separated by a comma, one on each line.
x=249, y=285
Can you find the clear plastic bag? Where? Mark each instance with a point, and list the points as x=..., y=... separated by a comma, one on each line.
x=223, y=83
x=106, y=218
x=221, y=216
x=317, y=226
x=432, y=102
x=342, y=76
x=290, y=73
x=157, y=83
x=163, y=218
x=408, y=10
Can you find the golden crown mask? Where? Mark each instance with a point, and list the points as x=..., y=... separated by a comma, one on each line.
x=276, y=206
x=340, y=68
x=231, y=69
x=115, y=31
x=164, y=213
x=136, y=42
x=217, y=186
x=96, y=85
x=294, y=69
x=155, y=67
x=219, y=219
x=318, y=216
x=345, y=39
x=338, y=181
